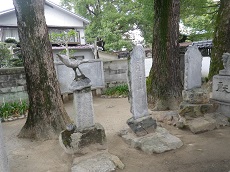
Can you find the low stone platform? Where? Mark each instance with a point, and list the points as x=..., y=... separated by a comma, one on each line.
x=80, y=141
x=158, y=142
x=101, y=161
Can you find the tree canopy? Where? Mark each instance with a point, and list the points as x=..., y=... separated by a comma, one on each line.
x=110, y=20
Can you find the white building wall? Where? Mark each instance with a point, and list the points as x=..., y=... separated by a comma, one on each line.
x=8, y=19
x=59, y=18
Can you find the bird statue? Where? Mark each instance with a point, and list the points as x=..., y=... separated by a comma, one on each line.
x=74, y=64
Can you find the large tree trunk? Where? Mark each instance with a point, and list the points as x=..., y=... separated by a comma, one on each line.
x=221, y=41
x=165, y=73
x=46, y=116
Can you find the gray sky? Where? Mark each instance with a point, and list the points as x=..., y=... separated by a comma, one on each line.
x=7, y=4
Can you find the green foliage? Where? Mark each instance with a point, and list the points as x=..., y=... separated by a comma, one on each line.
x=4, y=55
x=10, y=40
x=110, y=21
x=13, y=109
x=199, y=16
x=63, y=39
x=118, y=90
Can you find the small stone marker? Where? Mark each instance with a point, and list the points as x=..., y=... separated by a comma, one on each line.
x=4, y=166
x=141, y=123
x=193, y=64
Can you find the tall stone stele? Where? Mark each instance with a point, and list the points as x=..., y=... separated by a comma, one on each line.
x=84, y=132
x=141, y=123
x=221, y=87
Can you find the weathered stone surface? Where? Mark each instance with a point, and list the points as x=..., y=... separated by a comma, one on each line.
x=221, y=88
x=199, y=125
x=169, y=117
x=137, y=83
x=208, y=122
x=158, y=142
x=83, y=108
x=99, y=162
x=80, y=84
x=195, y=96
x=142, y=126
x=193, y=63
x=75, y=140
x=190, y=111
x=4, y=166
x=223, y=107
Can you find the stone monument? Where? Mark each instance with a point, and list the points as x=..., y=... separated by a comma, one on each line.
x=144, y=133
x=4, y=166
x=84, y=132
x=85, y=136
x=221, y=87
x=196, y=112
x=141, y=123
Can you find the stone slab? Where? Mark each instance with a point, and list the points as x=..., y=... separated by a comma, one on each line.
x=99, y=162
x=207, y=123
x=142, y=126
x=137, y=82
x=78, y=141
x=221, y=88
x=193, y=64
x=93, y=71
x=158, y=142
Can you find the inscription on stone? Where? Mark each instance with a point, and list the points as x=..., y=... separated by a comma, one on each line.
x=137, y=83
x=84, y=109
x=193, y=64
x=221, y=88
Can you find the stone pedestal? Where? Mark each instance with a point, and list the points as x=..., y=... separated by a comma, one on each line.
x=142, y=126
x=80, y=141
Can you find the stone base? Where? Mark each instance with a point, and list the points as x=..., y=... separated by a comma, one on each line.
x=195, y=96
x=81, y=141
x=223, y=107
x=207, y=123
x=142, y=126
x=98, y=162
x=191, y=111
x=158, y=142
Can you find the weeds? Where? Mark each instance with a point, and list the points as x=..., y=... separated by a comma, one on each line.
x=120, y=90
x=14, y=109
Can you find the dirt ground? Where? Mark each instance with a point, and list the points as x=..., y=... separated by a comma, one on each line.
x=205, y=152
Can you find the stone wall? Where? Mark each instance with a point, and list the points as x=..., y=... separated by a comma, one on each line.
x=115, y=72
x=12, y=84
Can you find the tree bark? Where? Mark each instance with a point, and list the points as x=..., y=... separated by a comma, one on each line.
x=221, y=41
x=46, y=116
x=165, y=73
